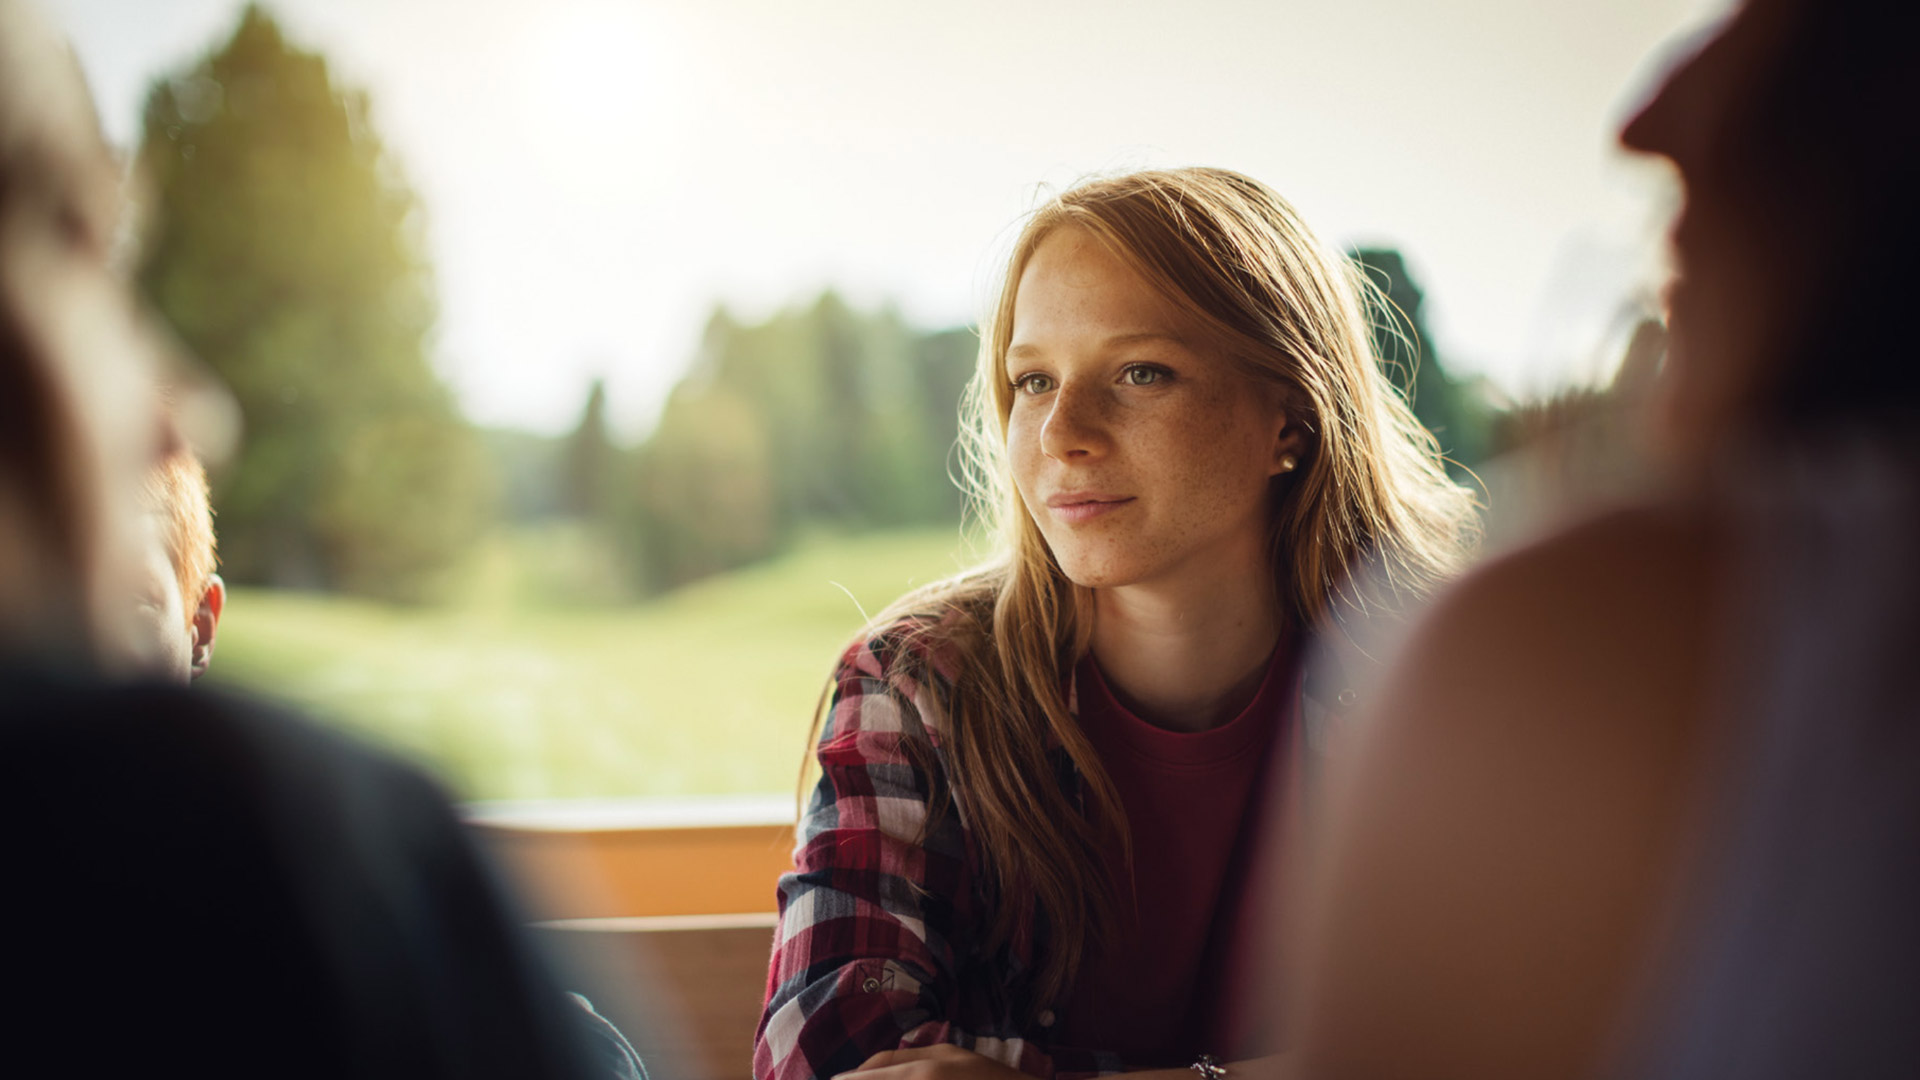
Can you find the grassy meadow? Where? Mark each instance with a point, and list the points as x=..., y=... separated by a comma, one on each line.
x=541, y=682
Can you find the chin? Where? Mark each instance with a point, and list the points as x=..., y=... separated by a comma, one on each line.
x=1095, y=570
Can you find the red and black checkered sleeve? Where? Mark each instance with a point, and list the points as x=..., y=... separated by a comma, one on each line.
x=864, y=957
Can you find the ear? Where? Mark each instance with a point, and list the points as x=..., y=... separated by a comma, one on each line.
x=206, y=623
x=1289, y=447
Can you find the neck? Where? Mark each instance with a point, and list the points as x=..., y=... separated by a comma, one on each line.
x=1188, y=654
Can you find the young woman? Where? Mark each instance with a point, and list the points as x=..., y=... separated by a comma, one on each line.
x=1030, y=844
x=1644, y=798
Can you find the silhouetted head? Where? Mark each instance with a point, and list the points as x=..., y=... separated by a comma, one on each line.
x=1796, y=132
x=80, y=419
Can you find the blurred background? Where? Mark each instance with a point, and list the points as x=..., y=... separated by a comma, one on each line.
x=599, y=361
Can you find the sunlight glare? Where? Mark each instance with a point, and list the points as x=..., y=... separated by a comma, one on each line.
x=598, y=96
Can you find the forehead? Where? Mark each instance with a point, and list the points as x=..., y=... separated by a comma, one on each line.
x=1075, y=287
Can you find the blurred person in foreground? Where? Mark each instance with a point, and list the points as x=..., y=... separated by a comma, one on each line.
x=195, y=884
x=1043, y=782
x=181, y=597
x=1644, y=798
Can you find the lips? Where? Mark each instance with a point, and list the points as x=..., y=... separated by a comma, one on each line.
x=1074, y=507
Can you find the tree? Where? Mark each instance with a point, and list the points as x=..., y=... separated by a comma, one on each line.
x=288, y=255
x=589, y=487
x=822, y=416
x=1455, y=411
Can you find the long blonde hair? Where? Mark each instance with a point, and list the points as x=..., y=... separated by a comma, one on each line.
x=1370, y=488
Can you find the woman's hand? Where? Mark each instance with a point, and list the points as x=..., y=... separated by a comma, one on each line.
x=1271, y=1067
x=948, y=1062
x=943, y=1062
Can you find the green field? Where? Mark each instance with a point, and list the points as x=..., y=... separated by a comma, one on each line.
x=507, y=695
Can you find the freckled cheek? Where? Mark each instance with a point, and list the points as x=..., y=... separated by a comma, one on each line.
x=1023, y=450
x=1216, y=458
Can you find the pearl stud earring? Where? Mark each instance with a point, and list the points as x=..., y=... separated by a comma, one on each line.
x=1288, y=463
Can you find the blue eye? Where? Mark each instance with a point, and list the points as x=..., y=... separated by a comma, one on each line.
x=1142, y=375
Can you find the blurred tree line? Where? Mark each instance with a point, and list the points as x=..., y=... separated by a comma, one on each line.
x=817, y=417
x=288, y=252
x=821, y=417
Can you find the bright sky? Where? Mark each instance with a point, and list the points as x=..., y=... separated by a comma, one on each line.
x=598, y=174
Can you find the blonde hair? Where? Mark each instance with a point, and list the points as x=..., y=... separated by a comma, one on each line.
x=1370, y=488
x=176, y=491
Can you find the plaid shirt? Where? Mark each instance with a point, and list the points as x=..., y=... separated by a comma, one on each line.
x=881, y=931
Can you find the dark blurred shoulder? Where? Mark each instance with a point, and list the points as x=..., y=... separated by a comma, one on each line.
x=1666, y=547
x=113, y=740
x=1526, y=785
x=1615, y=582
x=220, y=881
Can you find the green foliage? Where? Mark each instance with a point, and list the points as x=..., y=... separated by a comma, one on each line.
x=707, y=500
x=822, y=417
x=288, y=255
x=590, y=486
x=529, y=466
x=1456, y=411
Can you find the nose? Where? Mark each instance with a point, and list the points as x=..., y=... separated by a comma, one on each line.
x=1655, y=129
x=1646, y=131
x=1076, y=428
x=1663, y=125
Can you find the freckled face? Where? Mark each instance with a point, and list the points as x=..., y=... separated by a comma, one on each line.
x=1140, y=456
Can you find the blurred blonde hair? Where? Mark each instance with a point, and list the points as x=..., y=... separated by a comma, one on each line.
x=1370, y=488
x=176, y=491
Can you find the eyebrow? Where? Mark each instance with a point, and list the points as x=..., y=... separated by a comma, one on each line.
x=1116, y=341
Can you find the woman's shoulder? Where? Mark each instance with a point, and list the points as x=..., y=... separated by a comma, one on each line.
x=1610, y=617
x=1543, y=736
x=897, y=676
x=927, y=637
x=1649, y=560
x=899, y=647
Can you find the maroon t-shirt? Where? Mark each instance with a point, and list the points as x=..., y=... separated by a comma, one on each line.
x=1159, y=990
